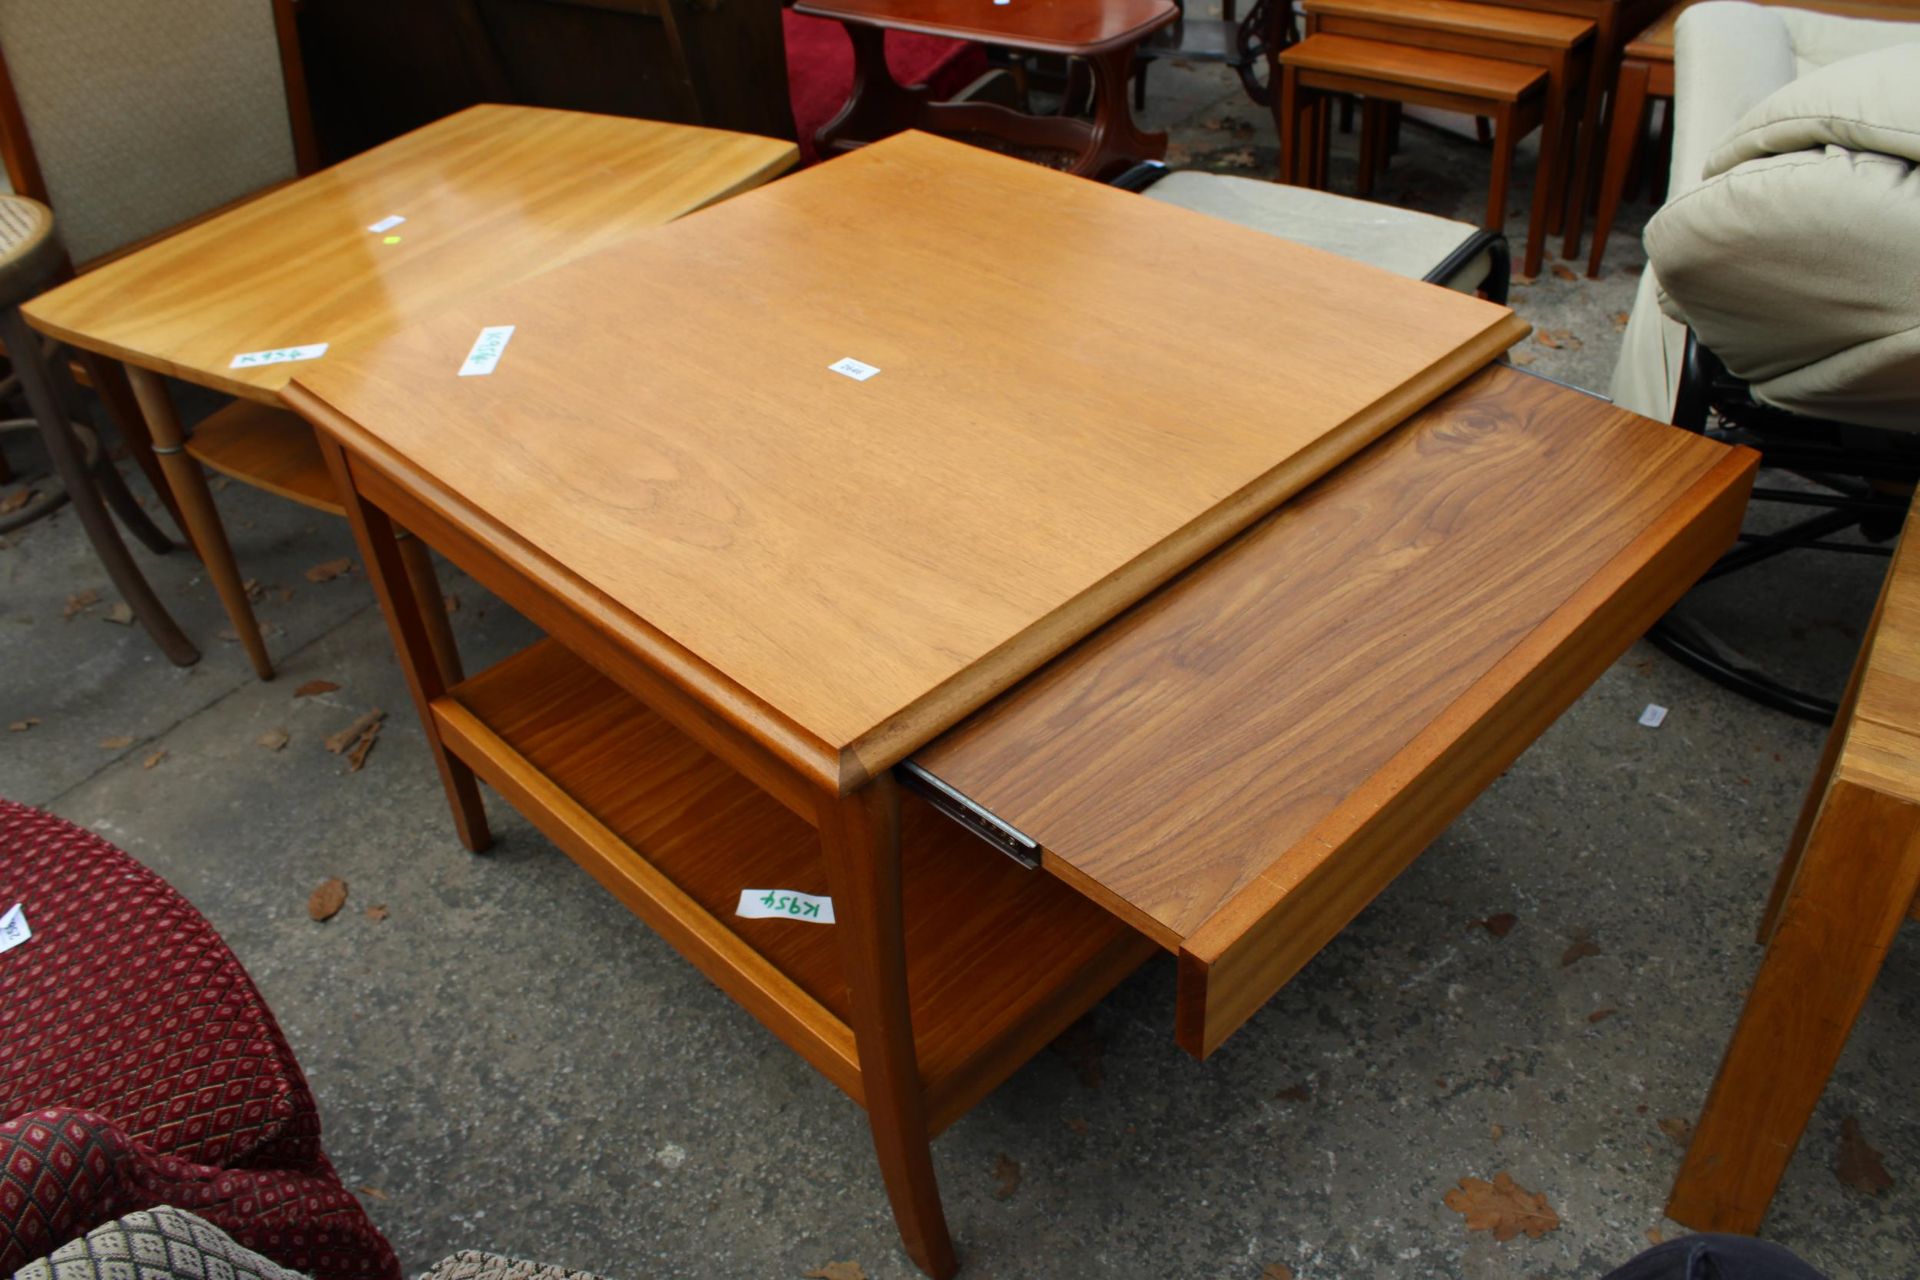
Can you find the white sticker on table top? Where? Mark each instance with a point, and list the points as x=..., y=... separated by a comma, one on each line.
x=13, y=928
x=387, y=223
x=279, y=355
x=858, y=370
x=1653, y=715
x=487, y=350
x=785, y=904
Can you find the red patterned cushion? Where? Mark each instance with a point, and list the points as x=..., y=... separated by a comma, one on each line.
x=126, y=1010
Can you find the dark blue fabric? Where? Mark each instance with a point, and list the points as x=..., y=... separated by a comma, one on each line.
x=1715, y=1257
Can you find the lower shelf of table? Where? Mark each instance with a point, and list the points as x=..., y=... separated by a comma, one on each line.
x=1000, y=959
x=268, y=448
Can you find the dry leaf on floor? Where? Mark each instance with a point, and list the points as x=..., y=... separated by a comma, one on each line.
x=1083, y=1048
x=79, y=602
x=372, y=1193
x=338, y=742
x=1240, y=159
x=328, y=570
x=358, y=755
x=311, y=687
x=1276, y=1271
x=1522, y=358
x=1678, y=1128
x=1856, y=1164
x=272, y=739
x=1498, y=1131
x=1619, y=320
x=1564, y=272
x=1546, y=339
x=1582, y=947
x=325, y=902
x=252, y=587
x=154, y=759
x=121, y=613
x=1006, y=1171
x=452, y=602
x=1499, y=925
x=378, y=912
x=1503, y=1207
x=838, y=1271
x=15, y=500
x=1295, y=1093
x=21, y=726
x=1601, y=1015
x=1656, y=1236
x=117, y=742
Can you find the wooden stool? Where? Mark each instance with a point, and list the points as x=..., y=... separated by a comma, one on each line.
x=32, y=260
x=1511, y=94
x=1558, y=43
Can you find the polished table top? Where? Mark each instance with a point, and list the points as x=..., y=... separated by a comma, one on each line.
x=1655, y=44
x=1064, y=26
x=1078, y=392
x=488, y=196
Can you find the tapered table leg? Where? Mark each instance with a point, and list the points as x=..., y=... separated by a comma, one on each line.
x=195, y=501
x=860, y=838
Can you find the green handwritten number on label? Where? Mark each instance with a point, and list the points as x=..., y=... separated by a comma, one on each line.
x=768, y=899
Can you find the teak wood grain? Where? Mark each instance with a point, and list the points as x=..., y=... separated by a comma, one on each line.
x=1435, y=69
x=1059, y=26
x=1465, y=17
x=1242, y=761
x=489, y=195
x=868, y=561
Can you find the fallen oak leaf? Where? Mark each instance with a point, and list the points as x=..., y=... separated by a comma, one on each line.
x=1620, y=320
x=272, y=739
x=837, y=1271
x=373, y=1193
x=358, y=756
x=1503, y=1207
x=1006, y=1171
x=1546, y=339
x=118, y=742
x=154, y=759
x=328, y=570
x=339, y=742
x=325, y=902
x=1856, y=1164
x=313, y=687
x=1499, y=925
x=79, y=602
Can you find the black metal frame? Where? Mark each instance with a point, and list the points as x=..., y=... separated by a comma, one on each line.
x=1868, y=472
x=1253, y=43
x=1492, y=243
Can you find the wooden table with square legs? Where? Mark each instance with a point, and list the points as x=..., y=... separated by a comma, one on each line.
x=1104, y=36
x=240, y=302
x=836, y=592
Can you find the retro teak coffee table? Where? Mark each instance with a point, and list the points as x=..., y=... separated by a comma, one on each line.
x=888, y=473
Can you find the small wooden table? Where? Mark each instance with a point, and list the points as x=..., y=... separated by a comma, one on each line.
x=477, y=200
x=820, y=564
x=1103, y=34
x=1849, y=880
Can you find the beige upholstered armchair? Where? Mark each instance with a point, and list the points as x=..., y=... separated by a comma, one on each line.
x=1728, y=57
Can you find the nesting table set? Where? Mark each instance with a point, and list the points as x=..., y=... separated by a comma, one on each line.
x=960, y=580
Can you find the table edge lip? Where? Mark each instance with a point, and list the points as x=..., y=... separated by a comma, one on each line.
x=1132, y=35
x=1588, y=27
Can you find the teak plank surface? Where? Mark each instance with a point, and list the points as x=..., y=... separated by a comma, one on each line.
x=489, y=195
x=1201, y=749
x=988, y=943
x=1461, y=73
x=271, y=448
x=1521, y=26
x=1884, y=741
x=1048, y=437
x=1058, y=26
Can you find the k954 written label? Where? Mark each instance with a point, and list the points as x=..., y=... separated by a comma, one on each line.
x=279, y=355
x=765, y=904
x=487, y=350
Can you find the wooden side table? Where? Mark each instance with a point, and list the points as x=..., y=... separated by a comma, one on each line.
x=832, y=590
x=1850, y=878
x=1103, y=35
x=241, y=302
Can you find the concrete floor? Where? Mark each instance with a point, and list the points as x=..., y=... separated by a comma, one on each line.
x=508, y=1060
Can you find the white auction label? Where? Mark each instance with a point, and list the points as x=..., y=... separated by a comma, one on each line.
x=279, y=355
x=1653, y=715
x=858, y=370
x=786, y=904
x=487, y=349
x=13, y=928
x=387, y=223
